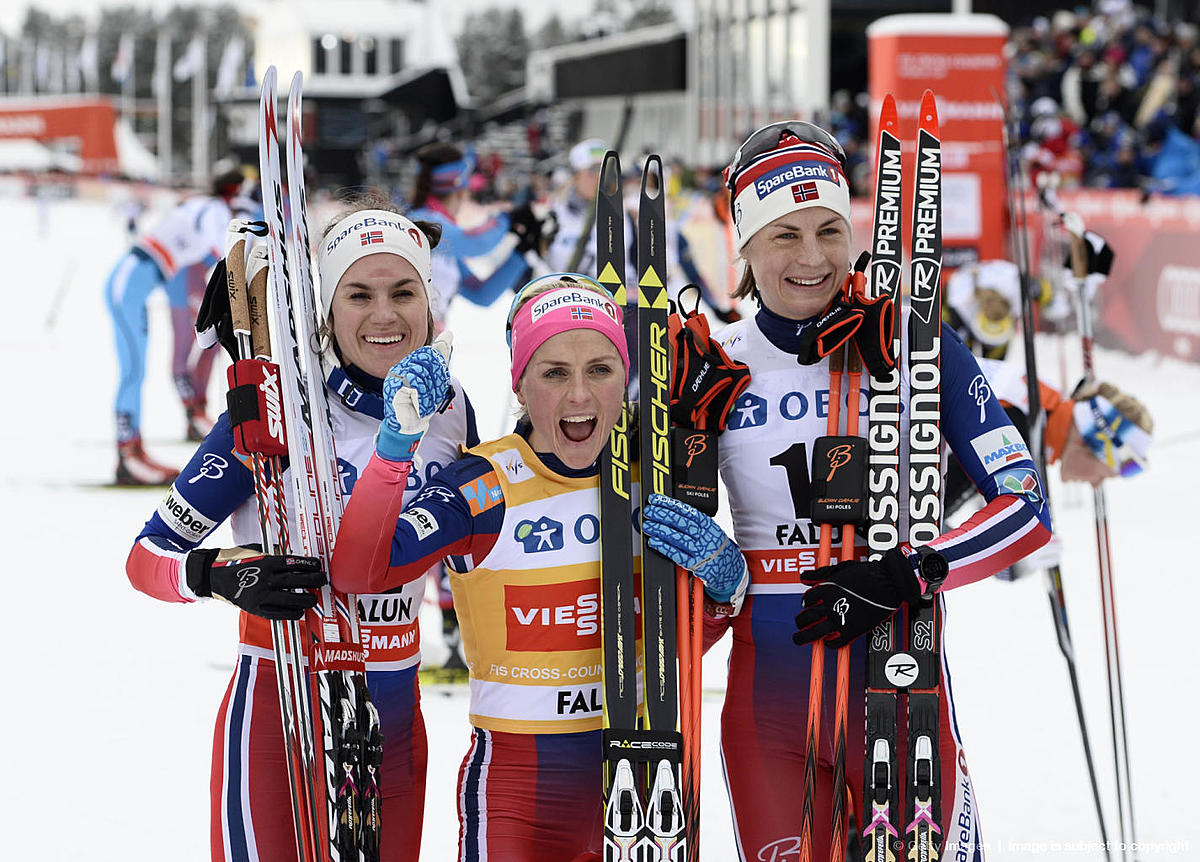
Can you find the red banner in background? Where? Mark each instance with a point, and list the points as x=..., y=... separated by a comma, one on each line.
x=1151, y=300
x=83, y=125
x=961, y=59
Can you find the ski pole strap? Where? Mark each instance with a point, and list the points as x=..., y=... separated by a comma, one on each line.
x=706, y=382
x=874, y=339
x=852, y=314
x=837, y=324
x=255, y=408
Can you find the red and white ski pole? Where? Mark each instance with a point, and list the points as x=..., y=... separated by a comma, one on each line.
x=1083, y=289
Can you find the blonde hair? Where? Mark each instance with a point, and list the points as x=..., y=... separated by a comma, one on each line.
x=1128, y=406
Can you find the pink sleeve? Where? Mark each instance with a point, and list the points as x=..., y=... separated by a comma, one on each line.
x=158, y=572
x=362, y=552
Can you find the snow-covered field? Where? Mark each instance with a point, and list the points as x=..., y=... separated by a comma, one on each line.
x=110, y=697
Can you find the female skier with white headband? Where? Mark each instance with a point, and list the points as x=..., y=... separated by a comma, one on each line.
x=376, y=298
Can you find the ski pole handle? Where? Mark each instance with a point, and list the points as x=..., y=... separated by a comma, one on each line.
x=256, y=297
x=235, y=282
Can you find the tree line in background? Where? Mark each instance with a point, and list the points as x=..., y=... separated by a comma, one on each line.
x=494, y=43
x=116, y=54
x=88, y=53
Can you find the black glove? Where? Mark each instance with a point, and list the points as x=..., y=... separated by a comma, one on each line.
x=214, y=321
x=850, y=314
x=853, y=597
x=260, y=584
x=527, y=227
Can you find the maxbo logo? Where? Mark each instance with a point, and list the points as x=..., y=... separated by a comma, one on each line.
x=999, y=448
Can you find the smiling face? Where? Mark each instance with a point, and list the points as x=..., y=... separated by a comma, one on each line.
x=799, y=261
x=572, y=389
x=380, y=312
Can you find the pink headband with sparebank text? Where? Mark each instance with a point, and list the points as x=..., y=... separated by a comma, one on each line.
x=560, y=311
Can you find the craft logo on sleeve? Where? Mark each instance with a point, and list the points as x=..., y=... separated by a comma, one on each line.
x=552, y=617
x=1000, y=447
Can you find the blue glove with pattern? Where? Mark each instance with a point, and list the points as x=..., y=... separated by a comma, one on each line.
x=415, y=388
x=692, y=539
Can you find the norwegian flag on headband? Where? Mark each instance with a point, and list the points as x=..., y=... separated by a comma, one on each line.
x=578, y=313
x=805, y=192
x=371, y=237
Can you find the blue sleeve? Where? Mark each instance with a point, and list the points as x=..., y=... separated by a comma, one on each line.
x=472, y=427
x=979, y=432
x=458, y=513
x=1016, y=519
x=688, y=264
x=509, y=276
x=476, y=241
x=212, y=485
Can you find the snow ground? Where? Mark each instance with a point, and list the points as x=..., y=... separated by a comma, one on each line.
x=122, y=690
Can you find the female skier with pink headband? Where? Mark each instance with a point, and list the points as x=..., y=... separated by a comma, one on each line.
x=517, y=520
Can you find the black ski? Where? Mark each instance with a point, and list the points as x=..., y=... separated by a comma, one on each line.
x=881, y=833
x=664, y=827
x=923, y=833
x=624, y=816
x=644, y=816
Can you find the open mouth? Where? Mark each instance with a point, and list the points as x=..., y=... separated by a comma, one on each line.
x=577, y=429
x=383, y=339
x=807, y=282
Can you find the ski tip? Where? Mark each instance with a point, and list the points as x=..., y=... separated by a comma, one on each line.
x=652, y=177
x=269, y=76
x=889, y=117
x=929, y=114
x=297, y=81
x=610, y=174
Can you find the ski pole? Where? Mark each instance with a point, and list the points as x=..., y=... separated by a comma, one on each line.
x=1054, y=582
x=1112, y=651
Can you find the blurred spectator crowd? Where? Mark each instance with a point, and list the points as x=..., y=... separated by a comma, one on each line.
x=1104, y=96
